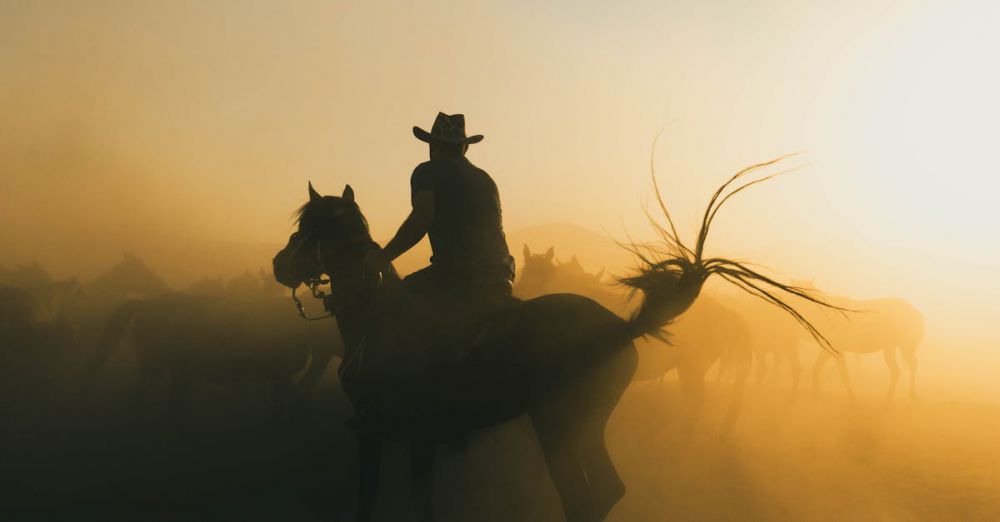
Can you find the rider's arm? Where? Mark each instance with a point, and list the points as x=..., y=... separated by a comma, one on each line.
x=414, y=228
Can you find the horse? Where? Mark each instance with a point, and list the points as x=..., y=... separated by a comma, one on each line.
x=707, y=333
x=562, y=359
x=888, y=325
x=774, y=342
x=36, y=329
x=216, y=338
x=541, y=274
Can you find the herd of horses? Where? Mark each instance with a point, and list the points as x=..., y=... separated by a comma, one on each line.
x=734, y=334
x=243, y=333
x=239, y=333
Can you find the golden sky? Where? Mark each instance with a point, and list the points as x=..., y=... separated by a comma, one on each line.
x=203, y=120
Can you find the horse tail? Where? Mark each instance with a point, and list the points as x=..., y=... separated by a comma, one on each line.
x=658, y=310
x=112, y=334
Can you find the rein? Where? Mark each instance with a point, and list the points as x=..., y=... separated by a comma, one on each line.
x=318, y=294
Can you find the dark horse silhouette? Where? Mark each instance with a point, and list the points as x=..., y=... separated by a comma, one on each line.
x=562, y=359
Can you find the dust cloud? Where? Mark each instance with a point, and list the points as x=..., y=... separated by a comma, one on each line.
x=150, y=163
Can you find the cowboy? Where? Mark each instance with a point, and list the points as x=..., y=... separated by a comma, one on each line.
x=458, y=206
x=451, y=304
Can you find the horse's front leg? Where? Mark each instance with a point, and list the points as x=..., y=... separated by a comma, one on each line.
x=421, y=473
x=370, y=464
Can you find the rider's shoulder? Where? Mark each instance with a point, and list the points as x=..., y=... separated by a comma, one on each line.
x=424, y=169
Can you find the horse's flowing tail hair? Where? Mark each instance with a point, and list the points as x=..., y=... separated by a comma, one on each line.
x=670, y=273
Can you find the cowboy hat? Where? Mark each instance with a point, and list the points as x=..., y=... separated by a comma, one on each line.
x=447, y=129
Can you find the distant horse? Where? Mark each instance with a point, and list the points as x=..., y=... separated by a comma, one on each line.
x=35, y=328
x=541, y=274
x=562, y=359
x=262, y=287
x=709, y=334
x=888, y=325
x=198, y=337
x=706, y=334
x=129, y=279
x=774, y=338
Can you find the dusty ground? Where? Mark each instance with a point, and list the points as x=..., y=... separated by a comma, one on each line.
x=80, y=458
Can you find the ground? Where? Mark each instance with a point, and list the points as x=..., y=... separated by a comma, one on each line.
x=77, y=456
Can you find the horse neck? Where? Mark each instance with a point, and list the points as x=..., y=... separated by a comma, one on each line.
x=354, y=318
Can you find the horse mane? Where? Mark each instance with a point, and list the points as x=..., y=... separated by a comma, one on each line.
x=309, y=205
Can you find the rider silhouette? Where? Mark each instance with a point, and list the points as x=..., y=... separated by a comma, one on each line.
x=458, y=206
x=471, y=272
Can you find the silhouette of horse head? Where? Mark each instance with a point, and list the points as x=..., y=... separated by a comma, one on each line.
x=333, y=240
x=536, y=274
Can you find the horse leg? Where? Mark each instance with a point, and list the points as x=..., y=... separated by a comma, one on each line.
x=565, y=467
x=736, y=402
x=369, y=464
x=890, y=360
x=794, y=369
x=693, y=388
x=422, y=478
x=318, y=361
x=606, y=486
x=611, y=380
x=842, y=369
x=910, y=356
x=821, y=361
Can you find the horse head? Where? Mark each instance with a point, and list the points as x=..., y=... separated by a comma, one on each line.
x=332, y=240
x=537, y=274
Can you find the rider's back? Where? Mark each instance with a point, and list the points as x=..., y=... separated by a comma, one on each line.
x=467, y=232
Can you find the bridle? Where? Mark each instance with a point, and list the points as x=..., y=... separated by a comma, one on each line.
x=314, y=283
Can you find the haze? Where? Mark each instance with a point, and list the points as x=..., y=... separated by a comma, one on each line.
x=171, y=129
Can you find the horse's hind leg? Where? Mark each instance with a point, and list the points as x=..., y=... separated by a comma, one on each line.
x=842, y=369
x=910, y=356
x=890, y=360
x=795, y=369
x=565, y=467
x=606, y=486
x=739, y=387
x=821, y=360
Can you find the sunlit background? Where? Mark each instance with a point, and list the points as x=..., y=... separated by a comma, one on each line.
x=182, y=130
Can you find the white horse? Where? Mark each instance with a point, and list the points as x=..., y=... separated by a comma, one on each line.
x=887, y=325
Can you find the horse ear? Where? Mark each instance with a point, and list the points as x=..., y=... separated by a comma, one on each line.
x=550, y=253
x=348, y=193
x=313, y=195
x=527, y=252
